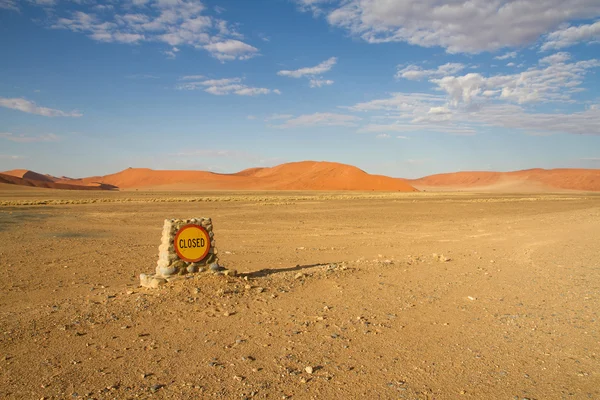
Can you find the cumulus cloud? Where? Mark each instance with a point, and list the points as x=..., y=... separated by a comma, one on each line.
x=231, y=50
x=30, y=107
x=572, y=35
x=554, y=79
x=405, y=112
x=320, y=119
x=414, y=72
x=459, y=26
x=225, y=86
x=172, y=54
x=49, y=137
x=512, y=54
x=312, y=72
x=175, y=23
x=320, y=82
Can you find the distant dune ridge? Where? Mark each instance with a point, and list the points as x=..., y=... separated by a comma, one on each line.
x=531, y=180
x=315, y=175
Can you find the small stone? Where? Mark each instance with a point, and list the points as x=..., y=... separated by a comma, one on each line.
x=156, y=388
x=167, y=271
x=309, y=370
x=215, y=267
x=230, y=272
x=471, y=298
x=299, y=275
x=155, y=283
x=192, y=268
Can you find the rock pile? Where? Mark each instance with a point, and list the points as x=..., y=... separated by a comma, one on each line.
x=170, y=266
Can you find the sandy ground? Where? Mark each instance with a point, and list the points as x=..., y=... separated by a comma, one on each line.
x=345, y=286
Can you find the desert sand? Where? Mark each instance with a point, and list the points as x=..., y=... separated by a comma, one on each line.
x=340, y=295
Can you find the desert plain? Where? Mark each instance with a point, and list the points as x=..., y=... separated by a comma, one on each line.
x=339, y=295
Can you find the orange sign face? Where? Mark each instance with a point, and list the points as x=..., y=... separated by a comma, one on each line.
x=192, y=243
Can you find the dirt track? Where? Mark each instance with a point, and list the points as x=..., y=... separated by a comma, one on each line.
x=348, y=287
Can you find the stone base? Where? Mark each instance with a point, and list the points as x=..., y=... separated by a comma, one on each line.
x=169, y=266
x=155, y=281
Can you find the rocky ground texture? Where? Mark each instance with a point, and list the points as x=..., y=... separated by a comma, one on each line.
x=405, y=296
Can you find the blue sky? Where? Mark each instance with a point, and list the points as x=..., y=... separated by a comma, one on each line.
x=402, y=88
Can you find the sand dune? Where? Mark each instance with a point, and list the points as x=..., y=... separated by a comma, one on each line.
x=46, y=183
x=305, y=175
x=27, y=174
x=313, y=175
x=531, y=180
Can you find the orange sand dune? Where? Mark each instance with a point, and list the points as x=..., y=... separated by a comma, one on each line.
x=27, y=174
x=306, y=175
x=519, y=181
x=49, y=184
x=313, y=175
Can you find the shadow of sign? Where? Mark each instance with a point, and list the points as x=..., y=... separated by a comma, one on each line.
x=270, y=271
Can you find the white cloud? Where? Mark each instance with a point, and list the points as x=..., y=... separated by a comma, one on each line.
x=49, y=137
x=313, y=6
x=553, y=80
x=172, y=53
x=278, y=116
x=251, y=117
x=320, y=119
x=400, y=103
x=512, y=54
x=320, y=82
x=310, y=71
x=401, y=137
x=557, y=58
x=9, y=5
x=30, y=107
x=416, y=127
x=572, y=35
x=191, y=77
x=417, y=113
x=225, y=86
x=231, y=50
x=469, y=26
x=173, y=22
x=414, y=72
x=513, y=116
x=383, y=136
x=142, y=76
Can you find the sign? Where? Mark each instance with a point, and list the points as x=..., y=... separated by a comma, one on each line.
x=191, y=243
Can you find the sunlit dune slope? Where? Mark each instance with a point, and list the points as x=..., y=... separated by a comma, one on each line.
x=49, y=184
x=27, y=174
x=306, y=175
x=526, y=180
